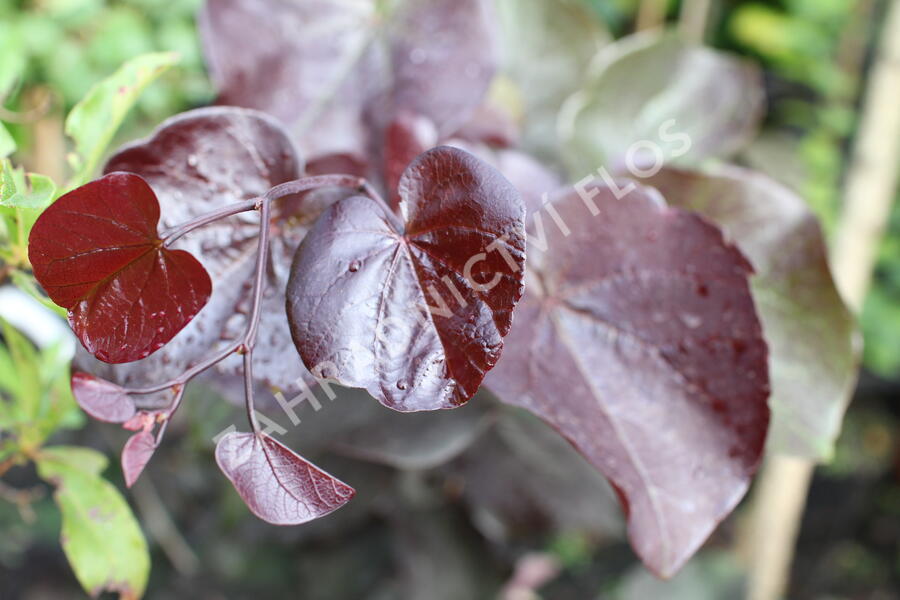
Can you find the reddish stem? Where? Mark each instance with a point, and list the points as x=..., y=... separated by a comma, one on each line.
x=247, y=341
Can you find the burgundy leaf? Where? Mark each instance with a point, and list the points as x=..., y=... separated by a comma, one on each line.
x=638, y=340
x=101, y=399
x=302, y=62
x=347, y=67
x=278, y=485
x=533, y=180
x=96, y=252
x=444, y=56
x=361, y=281
x=198, y=162
x=812, y=336
x=136, y=454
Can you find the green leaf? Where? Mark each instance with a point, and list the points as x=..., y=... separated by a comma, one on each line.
x=814, y=343
x=12, y=60
x=24, y=357
x=7, y=143
x=18, y=190
x=681, y=103
x=94, y=120
x=38, y=396
x=100, y=535
x=8, y=186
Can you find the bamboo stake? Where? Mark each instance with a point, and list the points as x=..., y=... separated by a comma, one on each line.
x=693, y=19
x=651, y=14
x=868, y=195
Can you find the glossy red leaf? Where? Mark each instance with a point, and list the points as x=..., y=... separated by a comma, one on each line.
x=102, y=399
x=96, y=252
x=197, y=162
x=362, y=278
x=136, y=454
x=278, y=485
x=638, y=340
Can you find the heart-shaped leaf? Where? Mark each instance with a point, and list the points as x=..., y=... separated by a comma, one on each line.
x=136, y=454
x=197, y=162
x=102, y=399
x=361, y=282
x=638, y=340
x=278, y=485
x=813, y=339
x=96, y=252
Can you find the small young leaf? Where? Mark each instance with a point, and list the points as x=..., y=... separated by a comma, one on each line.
x=278, y=486
x=96, y=252
x=685, y=102
x=638, y=340
x=813, y=338
x=413, y=312
x=100, y=535
x=101, y=399
x=96, y=118
x=136, y=454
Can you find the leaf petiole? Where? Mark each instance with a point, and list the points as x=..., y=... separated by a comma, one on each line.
x=247, y=341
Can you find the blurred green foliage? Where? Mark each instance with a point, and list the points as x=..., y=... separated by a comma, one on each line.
x=69, y=45
x=816, y=52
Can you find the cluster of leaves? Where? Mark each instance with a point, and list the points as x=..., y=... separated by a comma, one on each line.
x=641, y=333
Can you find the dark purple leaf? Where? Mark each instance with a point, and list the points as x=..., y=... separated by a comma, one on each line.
x=197, y=162
x=97, y=252
x=533, y=180
x=638, y=340
x=361, y=281
x=101, y=399
x=348, y=68
x=443, y=54
x=812, y=336
x=136, y=454
x=278, y=485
